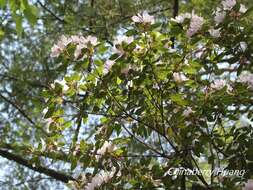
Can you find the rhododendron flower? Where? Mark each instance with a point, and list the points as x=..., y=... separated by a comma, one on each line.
x=195, y=25
x=107, y=147
x=243, y=46
x=246, y=78
x=188, y=111
x=80, y=42
x=108, y=65
x=243, y=9
x=63, y=83
x=214, y=32
x=120, y=39
x=181, y=18
x=219, y=16
x=143, y=18
x=228, y=4
x=55, y=51
x=179, y=77
x=218, y=84
x=99, y=179
x=92, y=40
x=248, y=185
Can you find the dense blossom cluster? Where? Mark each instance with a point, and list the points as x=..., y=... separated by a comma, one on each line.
x=196, y=22
x=78, y=40
x=195, y=25
x=180, y=77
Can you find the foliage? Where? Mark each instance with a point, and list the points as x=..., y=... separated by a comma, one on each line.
x=118, y=114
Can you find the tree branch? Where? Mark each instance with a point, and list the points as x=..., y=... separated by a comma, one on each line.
x=43, y=170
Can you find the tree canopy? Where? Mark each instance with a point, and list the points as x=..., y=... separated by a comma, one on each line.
x=122, y=94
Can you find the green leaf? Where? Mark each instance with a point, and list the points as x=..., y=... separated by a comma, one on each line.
x=178, y=98
x=1, y=33
x=31, y=15
x=19, y=27
x=2, y=3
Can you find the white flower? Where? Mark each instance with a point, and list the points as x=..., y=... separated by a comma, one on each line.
x=248, y=185
x=108, y=65
x=243, y=9
x=63, y=83
x=75, y=39
x=107, y=147
x=188, y=111
x=99, y=179
x=120, y=39
x=243, y=46
x=181, y=18
x=179, y=77
x=246, y=78
x=218, y=84
x=63, y=42
x=44, y=111
x=92, y=40
x=214, y=33
x=139, y=49
x=195, y=25
x=228, y=4
x=55, y=51
x=219, y=16
x=143, y=18
x=80, y=42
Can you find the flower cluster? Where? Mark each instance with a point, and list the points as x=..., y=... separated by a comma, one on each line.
x=228, y=4
x=144, y=18
x=80, y=42
x=63, y=84
x=107, y=147
x=219, y=84
x=181, y=18
x=118, y=41
x=108, y=65
x=246, y=78
x=195, y=25
x=179, y=77
x=99, y=179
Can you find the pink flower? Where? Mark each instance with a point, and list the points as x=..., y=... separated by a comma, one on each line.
x=195, y=25
x=248, y=185
x=218, y=84
x=55, y=51
x=143, y=18
x=108, y=65
x=228, y=4
x=219, y=16
x=246, y=78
